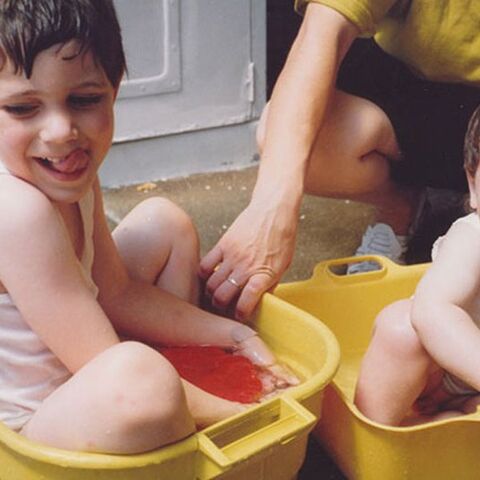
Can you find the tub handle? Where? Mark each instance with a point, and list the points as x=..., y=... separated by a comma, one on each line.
x=251, y=434
x=326, y=270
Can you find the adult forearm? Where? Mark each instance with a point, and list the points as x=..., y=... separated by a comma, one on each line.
x=300, y=100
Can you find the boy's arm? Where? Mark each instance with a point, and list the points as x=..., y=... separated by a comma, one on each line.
x=39, y=269
x=147, y=313
x=442, y=300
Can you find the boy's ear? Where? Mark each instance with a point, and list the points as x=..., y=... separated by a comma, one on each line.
x=471, y=189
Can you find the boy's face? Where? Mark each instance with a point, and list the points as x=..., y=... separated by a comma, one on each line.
x=56, y=126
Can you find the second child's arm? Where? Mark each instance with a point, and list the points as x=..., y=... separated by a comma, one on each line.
x=442, y=303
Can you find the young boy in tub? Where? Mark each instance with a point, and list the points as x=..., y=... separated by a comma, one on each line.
x=425, y=351
x=68, y=288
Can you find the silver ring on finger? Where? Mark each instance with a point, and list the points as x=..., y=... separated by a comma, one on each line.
x=234, y=282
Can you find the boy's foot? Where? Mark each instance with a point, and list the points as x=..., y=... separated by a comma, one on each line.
x=379, y=239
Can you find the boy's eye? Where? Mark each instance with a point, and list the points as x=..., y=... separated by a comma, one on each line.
x=83, y=101
x=21, y=109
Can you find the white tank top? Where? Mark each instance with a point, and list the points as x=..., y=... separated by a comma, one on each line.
x=29, y=371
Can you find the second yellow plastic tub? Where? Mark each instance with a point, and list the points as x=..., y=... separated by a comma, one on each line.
x=364, y=449
x=266, y=442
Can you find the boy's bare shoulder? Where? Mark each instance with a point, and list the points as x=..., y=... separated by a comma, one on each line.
x=21, y=204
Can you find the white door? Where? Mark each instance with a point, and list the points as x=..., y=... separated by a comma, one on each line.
x=194, y=90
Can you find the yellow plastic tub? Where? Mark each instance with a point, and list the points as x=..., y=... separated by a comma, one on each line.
x=265, y=442
x=364, y=449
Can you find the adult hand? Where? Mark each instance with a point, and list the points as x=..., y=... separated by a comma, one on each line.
x=250, y=258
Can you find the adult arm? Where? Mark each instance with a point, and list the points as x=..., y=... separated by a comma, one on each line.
x=258, y=247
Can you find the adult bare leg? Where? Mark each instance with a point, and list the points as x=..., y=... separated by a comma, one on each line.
x=351, y=159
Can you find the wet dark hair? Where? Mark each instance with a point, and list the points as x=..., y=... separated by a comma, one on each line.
x=27, y=27
x=471, y=149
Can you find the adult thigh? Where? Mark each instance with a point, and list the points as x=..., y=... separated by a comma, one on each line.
x=352, y=153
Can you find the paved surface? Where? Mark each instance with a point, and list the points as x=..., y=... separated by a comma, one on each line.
x=328, y=229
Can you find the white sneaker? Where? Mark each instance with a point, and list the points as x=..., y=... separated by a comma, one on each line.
x=379, y=240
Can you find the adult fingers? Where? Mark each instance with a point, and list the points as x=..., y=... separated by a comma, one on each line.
x=227, y=291
x=256, y=286
x=219, y=276
x=210, y=261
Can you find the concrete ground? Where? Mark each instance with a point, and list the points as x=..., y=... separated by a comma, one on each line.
x=328, y=229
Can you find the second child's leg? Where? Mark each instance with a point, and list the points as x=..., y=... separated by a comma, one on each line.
x=395, y=369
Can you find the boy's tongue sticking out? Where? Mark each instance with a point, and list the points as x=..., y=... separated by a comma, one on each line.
x=73, y=162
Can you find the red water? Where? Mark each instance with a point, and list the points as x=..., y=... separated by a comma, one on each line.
x=216, y=371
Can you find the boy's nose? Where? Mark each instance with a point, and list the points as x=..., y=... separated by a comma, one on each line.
x=58, y=128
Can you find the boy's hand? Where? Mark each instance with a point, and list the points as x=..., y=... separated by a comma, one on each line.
x=272, y=375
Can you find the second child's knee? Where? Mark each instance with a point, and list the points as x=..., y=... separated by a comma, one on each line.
x=393, y=328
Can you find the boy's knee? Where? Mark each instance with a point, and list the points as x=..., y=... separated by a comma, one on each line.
x=148, y=395
x=160, y=210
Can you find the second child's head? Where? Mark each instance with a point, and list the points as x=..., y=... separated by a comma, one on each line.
x=472, y=158
x=61, y=63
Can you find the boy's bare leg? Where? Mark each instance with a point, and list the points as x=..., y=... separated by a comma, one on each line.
x=128, y=399
x=207, y=409
x=159, y=245
x=395, y=369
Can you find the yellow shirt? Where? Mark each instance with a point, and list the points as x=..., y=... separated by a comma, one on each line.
x=438, y=39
